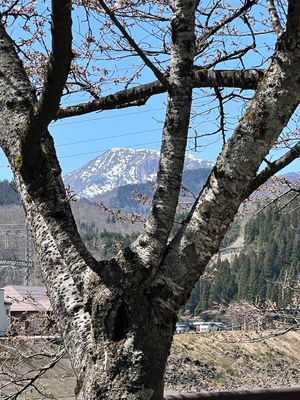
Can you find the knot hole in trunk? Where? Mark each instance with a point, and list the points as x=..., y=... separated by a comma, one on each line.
x=118, y=323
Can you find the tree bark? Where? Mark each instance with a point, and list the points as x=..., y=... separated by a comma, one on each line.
x=151, y=244
x=130, y=351
x=202, y=78
x=117, y=336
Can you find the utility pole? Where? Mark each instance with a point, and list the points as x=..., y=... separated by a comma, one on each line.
x=28, y=255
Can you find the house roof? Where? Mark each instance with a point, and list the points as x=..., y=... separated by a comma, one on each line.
x=27, y=298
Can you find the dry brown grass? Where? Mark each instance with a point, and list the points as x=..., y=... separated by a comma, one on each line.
x=238, y=360
x=215, y=361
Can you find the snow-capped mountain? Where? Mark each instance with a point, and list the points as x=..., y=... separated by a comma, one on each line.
x=118, y=167
x=292, y=176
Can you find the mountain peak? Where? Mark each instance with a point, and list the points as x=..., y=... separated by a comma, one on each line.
x=118, y=167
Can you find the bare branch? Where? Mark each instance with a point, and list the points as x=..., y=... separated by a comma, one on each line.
x=29, y=381
x=274, y=167
x=112, y=101
x=263, y=337
x=58, y=67
x=152, y=242
x=243, y=79
x=293, y=24
x=274, y=18
x=290, y=200
x=9, y=9
x=232, y=175
x=159, y=75
x=222, y=113
x=200, y=43
x=277, y=199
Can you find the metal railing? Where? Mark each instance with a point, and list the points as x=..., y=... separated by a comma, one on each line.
x=292, y=393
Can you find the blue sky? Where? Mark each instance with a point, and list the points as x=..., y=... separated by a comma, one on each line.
x=81, y=139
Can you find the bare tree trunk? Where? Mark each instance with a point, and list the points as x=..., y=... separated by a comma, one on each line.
x=116, y=331
x=129, y=356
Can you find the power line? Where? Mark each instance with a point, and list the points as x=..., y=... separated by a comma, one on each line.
x=107, y=117
x=98, y=151
x=103, y=150
x=109, y=137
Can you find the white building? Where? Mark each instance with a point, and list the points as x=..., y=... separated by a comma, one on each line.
x=4, y=313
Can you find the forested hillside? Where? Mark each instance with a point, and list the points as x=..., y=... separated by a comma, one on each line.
x=127, y=197
x=267, y=269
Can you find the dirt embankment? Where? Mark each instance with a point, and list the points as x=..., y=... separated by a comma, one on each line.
x=230, y=360
x=214, y=361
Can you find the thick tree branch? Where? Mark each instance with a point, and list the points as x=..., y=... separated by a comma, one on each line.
x=112, y=101
x=65, y=261
x=159, y=75
x=16, y=91
x=151, y=244
x=273, y=168
x=274, y=18
x=240, y=79
x=243, y=79
x=276, y=99
x=293, y=24
x=58, y=66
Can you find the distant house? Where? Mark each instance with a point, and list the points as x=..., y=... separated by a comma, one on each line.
x=4, y=313
x=28, y=305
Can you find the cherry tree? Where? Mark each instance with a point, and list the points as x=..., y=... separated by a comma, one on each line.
x=117, y=317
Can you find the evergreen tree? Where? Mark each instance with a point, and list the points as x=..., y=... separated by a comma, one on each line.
x=7, y=194
x=243, y=277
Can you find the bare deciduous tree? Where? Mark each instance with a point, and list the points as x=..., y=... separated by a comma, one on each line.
x=117, y=317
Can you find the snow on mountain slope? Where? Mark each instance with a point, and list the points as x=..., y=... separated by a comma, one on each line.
x=118, y=167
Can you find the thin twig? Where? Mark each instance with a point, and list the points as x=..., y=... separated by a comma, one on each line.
x=41, y=371
x=222, y=114
x=159, y=75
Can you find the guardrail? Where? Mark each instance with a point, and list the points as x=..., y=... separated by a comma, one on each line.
x=259, y=394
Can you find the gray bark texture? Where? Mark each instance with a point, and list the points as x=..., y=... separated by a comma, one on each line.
x=117, y=317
